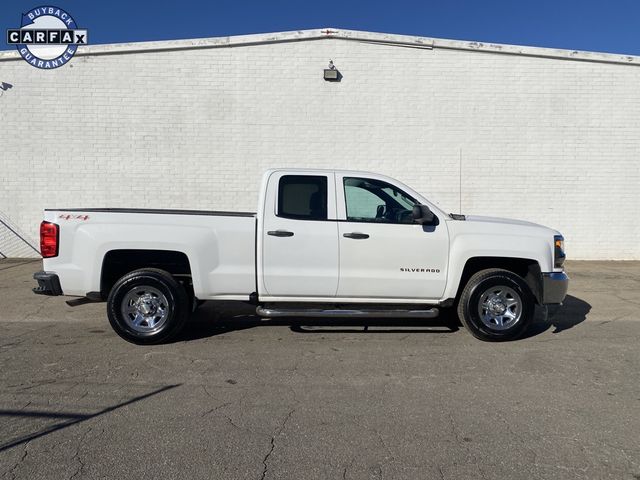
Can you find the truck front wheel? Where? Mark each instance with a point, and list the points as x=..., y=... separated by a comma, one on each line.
x=147, y=306
x=496, y=305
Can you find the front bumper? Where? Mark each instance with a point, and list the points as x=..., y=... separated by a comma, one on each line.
x=554, y=287
x=48, y=284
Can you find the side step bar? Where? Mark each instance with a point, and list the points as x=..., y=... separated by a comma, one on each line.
x=337, y=313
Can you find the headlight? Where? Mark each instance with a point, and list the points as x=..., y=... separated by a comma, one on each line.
x=558, y=251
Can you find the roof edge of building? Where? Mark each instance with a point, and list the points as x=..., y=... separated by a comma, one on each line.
x=353, y=35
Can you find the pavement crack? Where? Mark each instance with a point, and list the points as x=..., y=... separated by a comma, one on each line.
x=612, y=320
x=22, y=336
x=294, y=395
x=38, y=311
x=37, y=384
x=273, y=444
x=296, y=369
x=626, y=300
x=456, y=434
x=386, y=447
x=454, y=429
x=73, y=385
x=347, y=467
x=266, y=457
x=240, y=427
x=519, y=438
x=25, y=452
x=233, y=424
x=215, y=409
x=207, y=392
x=76, y=456
x=390, y=458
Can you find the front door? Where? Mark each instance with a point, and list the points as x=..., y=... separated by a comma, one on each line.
x=383, y=254
x=300, y=236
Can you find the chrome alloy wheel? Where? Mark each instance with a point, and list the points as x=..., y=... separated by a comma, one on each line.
x=145, y=309
x=500, y=308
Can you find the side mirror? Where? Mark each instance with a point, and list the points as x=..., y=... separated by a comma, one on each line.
x=422, y=215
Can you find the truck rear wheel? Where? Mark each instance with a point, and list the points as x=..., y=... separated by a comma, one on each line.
x=496, y=305
x=147, y=306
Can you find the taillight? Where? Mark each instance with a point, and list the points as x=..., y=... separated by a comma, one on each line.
x=49, y=236
x=558, y=251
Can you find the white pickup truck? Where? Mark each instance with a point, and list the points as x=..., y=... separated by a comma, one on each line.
x=323, y=243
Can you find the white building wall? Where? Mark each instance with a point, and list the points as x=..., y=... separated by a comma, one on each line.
x=552, y=141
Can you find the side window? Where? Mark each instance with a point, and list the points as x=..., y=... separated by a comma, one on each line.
x=361, y=203
x=369, y=200
x=302, y=197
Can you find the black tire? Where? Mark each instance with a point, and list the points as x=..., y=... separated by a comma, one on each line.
x=194, y=303
x=170, y=300
x=478, y=287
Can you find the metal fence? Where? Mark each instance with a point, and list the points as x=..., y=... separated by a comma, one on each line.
x=14, y=242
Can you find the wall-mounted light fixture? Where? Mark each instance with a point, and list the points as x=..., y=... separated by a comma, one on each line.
x=332, y=74
x=4, y=86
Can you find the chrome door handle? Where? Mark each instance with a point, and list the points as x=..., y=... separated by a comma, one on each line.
x=356, y=235
x=280, y=233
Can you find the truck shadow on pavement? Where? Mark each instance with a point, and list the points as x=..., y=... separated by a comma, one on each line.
x=204, y=326
x=217, y=318
x=572, y=312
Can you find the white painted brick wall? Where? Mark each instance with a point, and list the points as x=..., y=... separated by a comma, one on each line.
x=548, y=140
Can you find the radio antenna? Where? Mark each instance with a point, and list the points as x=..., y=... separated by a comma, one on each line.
x=460, y=183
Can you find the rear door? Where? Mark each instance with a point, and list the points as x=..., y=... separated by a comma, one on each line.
x=300, y=236
x=383, y=254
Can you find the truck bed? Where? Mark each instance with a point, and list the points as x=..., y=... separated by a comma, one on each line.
x=220, y=246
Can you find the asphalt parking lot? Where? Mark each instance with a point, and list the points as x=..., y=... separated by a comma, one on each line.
x=240, y=398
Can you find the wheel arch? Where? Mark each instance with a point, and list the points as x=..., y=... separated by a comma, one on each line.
x=526, y=268
x=118, y=262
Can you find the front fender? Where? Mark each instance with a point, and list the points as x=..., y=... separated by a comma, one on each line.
x=465, y=247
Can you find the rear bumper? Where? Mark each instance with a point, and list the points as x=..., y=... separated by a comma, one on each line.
x=554, y=287
x=48, y=284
